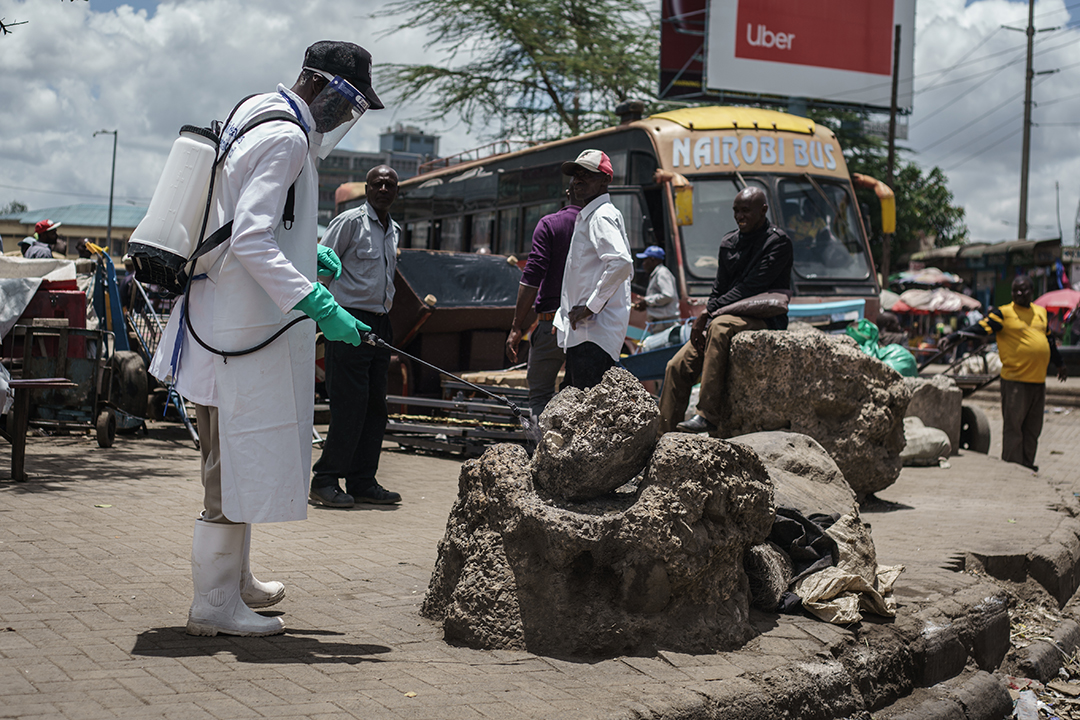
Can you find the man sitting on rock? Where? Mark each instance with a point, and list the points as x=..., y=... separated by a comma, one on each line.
x=754, y=259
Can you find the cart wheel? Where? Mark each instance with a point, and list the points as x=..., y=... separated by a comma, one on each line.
x=129, y=390
x=106, y=428
x=974, y=429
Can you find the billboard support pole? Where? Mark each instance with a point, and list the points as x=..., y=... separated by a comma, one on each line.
x=890, y=168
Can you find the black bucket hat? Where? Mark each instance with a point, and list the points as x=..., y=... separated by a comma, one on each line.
x=350, y=61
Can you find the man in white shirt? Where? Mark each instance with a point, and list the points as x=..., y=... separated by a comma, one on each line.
x=661, y=301
x=594, y=307
x=365, y=240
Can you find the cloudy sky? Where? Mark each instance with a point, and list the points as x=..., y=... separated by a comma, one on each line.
x=145, y=68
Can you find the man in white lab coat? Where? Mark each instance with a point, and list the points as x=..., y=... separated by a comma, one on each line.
x=594, y=308
x=255, y=408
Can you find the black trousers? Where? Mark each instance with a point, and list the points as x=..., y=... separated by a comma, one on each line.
x=356, y=384
x=585, y=365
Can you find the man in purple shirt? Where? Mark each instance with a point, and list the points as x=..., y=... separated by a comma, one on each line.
x=541, y=283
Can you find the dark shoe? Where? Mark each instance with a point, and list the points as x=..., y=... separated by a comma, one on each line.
x=330, y=496
x=377, y=495
x=696, y=424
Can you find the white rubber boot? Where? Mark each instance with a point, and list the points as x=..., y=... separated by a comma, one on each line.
x=254, y=592
x=217, y=555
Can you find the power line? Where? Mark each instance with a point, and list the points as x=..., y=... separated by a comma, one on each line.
x=957, y=98
x=974, y=140
x=966, y=56
x=988, y=147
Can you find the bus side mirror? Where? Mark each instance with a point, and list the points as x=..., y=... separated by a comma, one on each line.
x=864, y=209
x=684, y=205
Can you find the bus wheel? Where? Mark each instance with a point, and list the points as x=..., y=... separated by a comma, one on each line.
x=974, y=429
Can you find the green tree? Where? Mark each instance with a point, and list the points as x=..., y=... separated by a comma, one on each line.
x=534, y=69
x=924, y=203
x=13, y=208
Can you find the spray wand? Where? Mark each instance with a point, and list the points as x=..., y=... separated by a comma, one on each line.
x=372, y=339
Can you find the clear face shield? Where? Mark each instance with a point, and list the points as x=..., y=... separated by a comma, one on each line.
x=335, y=110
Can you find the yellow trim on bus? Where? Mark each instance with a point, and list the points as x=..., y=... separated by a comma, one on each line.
x=731, y=118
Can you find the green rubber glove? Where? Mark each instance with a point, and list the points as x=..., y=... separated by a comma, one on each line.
x=335, y=321
x=329, y=264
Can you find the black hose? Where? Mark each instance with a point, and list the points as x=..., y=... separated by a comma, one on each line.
x=373, y=339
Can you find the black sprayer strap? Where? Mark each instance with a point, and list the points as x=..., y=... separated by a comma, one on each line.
x=225, y=231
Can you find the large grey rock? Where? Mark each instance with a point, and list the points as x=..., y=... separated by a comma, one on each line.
x=592, y=442
x=631, y=573
x=937, y=401
x=825, y=387
x=804, y=476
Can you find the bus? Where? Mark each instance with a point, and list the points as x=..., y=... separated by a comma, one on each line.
x=676, y=175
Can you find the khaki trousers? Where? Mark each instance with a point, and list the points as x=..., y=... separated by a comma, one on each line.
x=688, y=365
x=210, y=447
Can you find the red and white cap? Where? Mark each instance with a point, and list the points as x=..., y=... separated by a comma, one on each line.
x=46, y=226
x=595, y=161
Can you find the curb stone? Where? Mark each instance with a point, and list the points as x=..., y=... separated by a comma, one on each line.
x=973, y=696
x=1041, y=660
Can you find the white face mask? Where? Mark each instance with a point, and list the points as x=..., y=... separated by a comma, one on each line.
x=335, y=110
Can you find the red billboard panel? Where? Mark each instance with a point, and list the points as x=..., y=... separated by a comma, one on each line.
x=836, y=51
x=839, y=34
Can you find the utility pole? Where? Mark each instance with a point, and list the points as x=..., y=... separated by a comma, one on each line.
x=1025, y=156
x=112, y=184
x=890, y=167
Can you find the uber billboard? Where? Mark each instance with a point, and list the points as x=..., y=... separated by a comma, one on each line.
x=839, y=51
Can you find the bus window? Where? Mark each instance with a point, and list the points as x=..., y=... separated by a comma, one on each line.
x=629, y=204
x=713, y=219
x=509, y=226
x=453, y=233
x=482, y=226
x=532, y=219
x=821, y=218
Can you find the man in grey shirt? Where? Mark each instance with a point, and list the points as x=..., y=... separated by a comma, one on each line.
x=365, y=240
x=661, y=301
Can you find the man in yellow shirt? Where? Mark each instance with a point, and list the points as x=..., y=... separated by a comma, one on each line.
x=1026, y=348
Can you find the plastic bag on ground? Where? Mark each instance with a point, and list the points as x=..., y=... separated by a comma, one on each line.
x=899, y=358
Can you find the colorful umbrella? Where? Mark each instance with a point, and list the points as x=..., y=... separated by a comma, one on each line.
x=926, y=276
x=1064, y=299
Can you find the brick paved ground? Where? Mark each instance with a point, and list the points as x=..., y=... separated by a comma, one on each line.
x=95, y=585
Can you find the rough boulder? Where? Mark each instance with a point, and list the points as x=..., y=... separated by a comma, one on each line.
x=825, y=387
x=658, y=567
x=593, y=441
x=937, y=401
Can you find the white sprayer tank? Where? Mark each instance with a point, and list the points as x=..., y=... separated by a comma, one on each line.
x=167, y=235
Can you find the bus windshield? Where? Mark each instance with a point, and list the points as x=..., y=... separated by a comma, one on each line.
x=713, y=219
x=820, y=217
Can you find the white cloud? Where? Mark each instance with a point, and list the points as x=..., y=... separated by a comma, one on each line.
x=73, y=70
x=982, y=161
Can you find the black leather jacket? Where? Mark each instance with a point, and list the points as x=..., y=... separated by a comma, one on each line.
x=750, y=264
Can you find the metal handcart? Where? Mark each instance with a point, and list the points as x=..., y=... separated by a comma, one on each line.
x=974, y=425
x=148, y=327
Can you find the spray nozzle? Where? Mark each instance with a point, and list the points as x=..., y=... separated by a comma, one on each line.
x=371, y=338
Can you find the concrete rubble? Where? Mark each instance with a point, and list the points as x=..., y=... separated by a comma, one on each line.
x=937, y=401
x=658, y=566
x=596, y=440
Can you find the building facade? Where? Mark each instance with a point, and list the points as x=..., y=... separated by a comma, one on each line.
x=402, y=147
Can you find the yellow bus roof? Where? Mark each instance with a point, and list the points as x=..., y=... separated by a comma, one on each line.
x=730, y=118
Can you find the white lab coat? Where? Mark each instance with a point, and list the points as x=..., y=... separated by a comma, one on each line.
x=265, y=400
x=597, y=274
